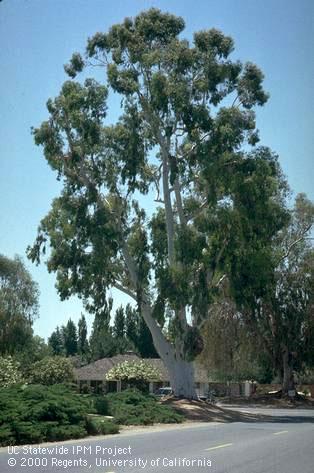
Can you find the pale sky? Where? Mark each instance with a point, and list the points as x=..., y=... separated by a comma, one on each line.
x=38, y=36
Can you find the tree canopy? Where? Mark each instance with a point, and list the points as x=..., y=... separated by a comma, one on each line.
x=18, y=305
x=186, y=133
x=283, y=317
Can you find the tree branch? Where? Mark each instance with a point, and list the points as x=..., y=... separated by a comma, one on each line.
x=124, y=289
x=294, y=243
x=179, y=202
x=151, y=119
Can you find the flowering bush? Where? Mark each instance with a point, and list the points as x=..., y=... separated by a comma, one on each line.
x=134, y=370
x=52, y=370
x=9, y=372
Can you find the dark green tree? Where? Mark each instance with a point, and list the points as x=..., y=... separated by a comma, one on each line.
x=82, y=341
x=118, y=329
x=283, y=317
x=69, y=335
x=56, y=343
x=18, y=305
x=138, y=334
x=131, y=324
x=145, y=344
x=121, y=342
x=101, y=342
x=187, y=132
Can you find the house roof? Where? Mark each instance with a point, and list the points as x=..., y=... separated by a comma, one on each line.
x=97, y=370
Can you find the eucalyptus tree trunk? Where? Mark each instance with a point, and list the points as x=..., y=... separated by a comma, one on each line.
x=181, y=372
x=288, y=383
x=181, y=375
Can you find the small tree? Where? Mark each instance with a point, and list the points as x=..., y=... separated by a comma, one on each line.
x=55, y=342
x=101, y=342
x=137, y=334
x=82, y=341
x=9, y=372
x=118, y=330
x=69, y=335
x=52, y=370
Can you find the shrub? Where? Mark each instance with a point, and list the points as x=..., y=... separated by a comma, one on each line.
x=85, y=389
x=64, y=432
x=9, y=372
x=101, y=426
x=101, y=405
x=36, y=413
x=51, y=370
x=131, y=407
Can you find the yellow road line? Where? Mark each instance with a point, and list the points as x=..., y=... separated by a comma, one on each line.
x=219, y=446
x=281, y=432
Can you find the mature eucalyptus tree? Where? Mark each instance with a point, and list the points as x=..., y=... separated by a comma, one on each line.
x=186, y=134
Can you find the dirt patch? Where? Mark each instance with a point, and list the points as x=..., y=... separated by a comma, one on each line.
x=200, y=411
x=269, y=400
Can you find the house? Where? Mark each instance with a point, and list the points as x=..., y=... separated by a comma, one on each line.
x=93, y=375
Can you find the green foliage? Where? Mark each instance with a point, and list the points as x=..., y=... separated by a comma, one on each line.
x=10, y=372
x=230, y=352
x=35, y=350
x=100, y=404
x=284, y=316
x=187, y=130
x=119, y=323
x=131, y=407
x=51, y=370
x=138, y=334
x=69, y=335
x=100, y=426
x=101, y=342
x=55, y=342
x=82, y=342
x=33, y=414
x=18, y=305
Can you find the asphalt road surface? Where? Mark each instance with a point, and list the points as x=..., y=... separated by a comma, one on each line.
x=282, y=442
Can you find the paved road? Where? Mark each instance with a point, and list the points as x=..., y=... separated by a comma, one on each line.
x=283, y=442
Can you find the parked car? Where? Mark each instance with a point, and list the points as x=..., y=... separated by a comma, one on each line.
x=166, y=391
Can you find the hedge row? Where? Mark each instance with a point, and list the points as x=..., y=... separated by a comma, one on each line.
x=36, y=413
